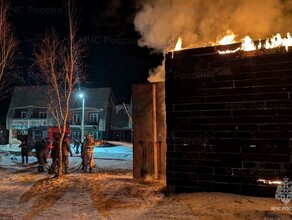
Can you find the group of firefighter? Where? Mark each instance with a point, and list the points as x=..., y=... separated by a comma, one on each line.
x=44, y=147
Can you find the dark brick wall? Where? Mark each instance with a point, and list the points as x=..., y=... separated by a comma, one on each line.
x=229, y=119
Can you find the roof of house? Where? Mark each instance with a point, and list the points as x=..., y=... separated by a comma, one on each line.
x=94, y=98
x=24, y=96
x=121, y=119
x=35, y=96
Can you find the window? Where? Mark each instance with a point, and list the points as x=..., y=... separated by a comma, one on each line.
x=75, y=135
x=42, y=114
x=76, y=118
x=23, y=114
x=93, y=118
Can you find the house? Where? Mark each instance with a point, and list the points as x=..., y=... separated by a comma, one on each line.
x=28, y=110
x=99, y=107
x=121, y=126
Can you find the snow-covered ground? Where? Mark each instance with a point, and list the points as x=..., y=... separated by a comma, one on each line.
x=112, y=193
x=116, y=157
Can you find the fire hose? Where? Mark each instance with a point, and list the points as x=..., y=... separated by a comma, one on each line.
x=47, y=168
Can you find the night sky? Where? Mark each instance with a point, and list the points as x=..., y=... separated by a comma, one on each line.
x=113, y=58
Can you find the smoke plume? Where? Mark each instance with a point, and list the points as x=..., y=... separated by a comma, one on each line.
x=202, y=22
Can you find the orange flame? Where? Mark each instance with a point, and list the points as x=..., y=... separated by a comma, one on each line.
x=178, y=44
x=248, y=44
x=228, y=39
x=273, y=42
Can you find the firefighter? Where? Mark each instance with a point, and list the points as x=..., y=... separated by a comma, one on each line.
x=88, y=148
x=65, y=153
x=24, y=152
x=41, y=154
x=54, y=154
x=82, y=150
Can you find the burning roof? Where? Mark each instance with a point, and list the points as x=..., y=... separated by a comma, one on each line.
x=203, y=23
x=248, y=44
x=168, y=24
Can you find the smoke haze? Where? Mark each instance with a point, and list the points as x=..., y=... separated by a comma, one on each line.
x=202, y=22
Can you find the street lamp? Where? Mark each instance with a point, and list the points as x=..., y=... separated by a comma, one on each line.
x=82, y=116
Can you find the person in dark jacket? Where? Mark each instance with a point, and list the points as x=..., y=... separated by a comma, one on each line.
x=66, y=150
x=41, y=154
x=82, y=151
x=65, y=153
x=76, y=146
x=54, y=155
x=24, y=152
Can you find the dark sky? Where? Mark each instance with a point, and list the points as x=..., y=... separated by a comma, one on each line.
x=113, y=57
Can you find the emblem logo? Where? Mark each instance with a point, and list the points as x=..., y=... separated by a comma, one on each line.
x=284, y=191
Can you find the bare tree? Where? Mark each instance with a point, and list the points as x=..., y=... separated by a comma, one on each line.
x=8, y=46
x=60, y=66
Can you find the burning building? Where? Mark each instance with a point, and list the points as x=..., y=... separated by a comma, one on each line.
x=228, y=107
x=229, y=119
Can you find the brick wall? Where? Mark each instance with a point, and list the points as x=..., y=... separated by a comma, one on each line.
x=229, y=119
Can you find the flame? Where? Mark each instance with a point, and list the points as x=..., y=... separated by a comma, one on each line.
x=278, y=41
x=260, y=44
x=228, y=51
x=178, y=44
x=270, y=182
x=287, y=41
x=228, y=39
x=248, y=44
x=270, y=43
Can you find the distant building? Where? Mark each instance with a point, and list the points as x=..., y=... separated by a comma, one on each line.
x=28, y=109
x=121, y=127
x=99, y=107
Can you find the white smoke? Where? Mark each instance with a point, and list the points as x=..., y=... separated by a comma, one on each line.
x=201, y=22
x=157, y=74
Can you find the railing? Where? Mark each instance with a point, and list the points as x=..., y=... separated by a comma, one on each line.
x=27, y=123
